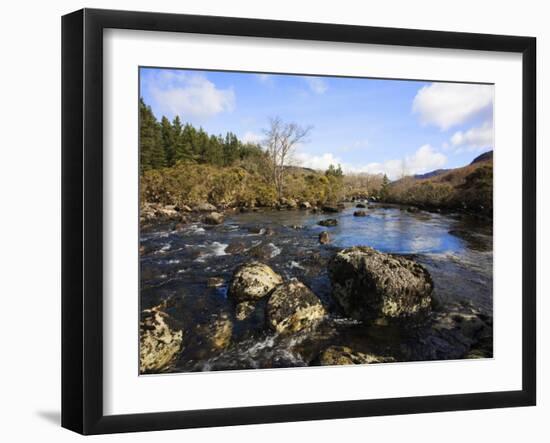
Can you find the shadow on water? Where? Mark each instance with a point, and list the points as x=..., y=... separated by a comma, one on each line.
x=179, y=264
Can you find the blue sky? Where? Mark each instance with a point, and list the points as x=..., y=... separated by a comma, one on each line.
x=367, y=125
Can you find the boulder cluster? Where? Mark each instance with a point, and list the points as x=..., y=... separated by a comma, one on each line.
x=367, y=285
x=291, y=306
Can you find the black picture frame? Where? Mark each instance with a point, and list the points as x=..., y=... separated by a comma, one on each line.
x=82, y=218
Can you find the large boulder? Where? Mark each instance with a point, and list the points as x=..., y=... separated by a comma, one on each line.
x=160, y=343
x=293, y=307
x=368, y=284
x=251, y=282
x=342, y=355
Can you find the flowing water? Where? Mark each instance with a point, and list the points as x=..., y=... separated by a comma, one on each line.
x=177, y=265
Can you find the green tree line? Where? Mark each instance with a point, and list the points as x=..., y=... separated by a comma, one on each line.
x=165, y=143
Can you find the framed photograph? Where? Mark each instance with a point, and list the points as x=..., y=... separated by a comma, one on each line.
x=268, y=221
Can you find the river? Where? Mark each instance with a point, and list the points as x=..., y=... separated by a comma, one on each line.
x=456, y=249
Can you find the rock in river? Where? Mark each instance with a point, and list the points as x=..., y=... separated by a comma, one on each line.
x=360, y=214
x=361, y=205
x=369, y=284
x=215, y=282
x=216, y=333
x=330, y=208
x=342, y=355
x=293, y=307
x=251, y=282
x=324, y=238
x=236, y=247
x=328, y=222
x=214, y=218
x=160, y=344
x=205, y=207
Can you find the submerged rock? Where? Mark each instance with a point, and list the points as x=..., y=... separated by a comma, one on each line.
x=292, y=307
x=236, y=247
x=456, y=331
x=216, y=333
x=360, y=214
x=214, y=218
x=360, y=205
x=244, y=309
x=252, y=281
x=328, y=222
x=264, y=251
x=342, y=355
x=324, y=238
x=368, y=284
x=160, y=344
x=330, y=208
x=215, y=282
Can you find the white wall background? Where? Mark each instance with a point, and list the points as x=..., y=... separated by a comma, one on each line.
x=30, y=218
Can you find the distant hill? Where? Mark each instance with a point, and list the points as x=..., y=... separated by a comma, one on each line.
x=486, y=156
x=430, y=174
x=469, y=188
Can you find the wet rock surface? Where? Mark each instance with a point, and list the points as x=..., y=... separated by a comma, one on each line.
x=214, y=218
x=324, y=238
x=368, y=284
x=328, y=222
x=160, y=343
x=253, y=281
x=343, y=355
x=293, y=307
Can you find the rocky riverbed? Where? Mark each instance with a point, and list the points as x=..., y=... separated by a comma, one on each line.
x=375, y=283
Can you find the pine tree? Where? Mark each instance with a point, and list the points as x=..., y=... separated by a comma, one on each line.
x=384, y=188
x=231, y=149
x=184, y=144
x=169, y=136
x=150, y=142
x=213, y=152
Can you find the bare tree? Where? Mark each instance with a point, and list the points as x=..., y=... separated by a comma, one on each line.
x=280, y=143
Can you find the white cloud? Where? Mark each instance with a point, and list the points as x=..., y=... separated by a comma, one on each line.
x=320, y=162
x=449, y=104
x=473, y=139
x=425, y=159
x=252, y=137
x=316, y=84
x=191, y=95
